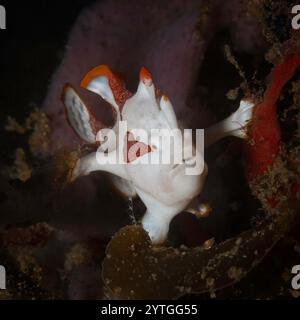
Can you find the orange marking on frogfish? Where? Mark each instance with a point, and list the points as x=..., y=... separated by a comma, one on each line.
x=146, y=77
x=102, y=70
x=165, y=98
x=158, y=93
x=120, y=93
x=134, y=149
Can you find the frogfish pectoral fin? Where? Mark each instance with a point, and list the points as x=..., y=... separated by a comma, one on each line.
x=80, y=116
